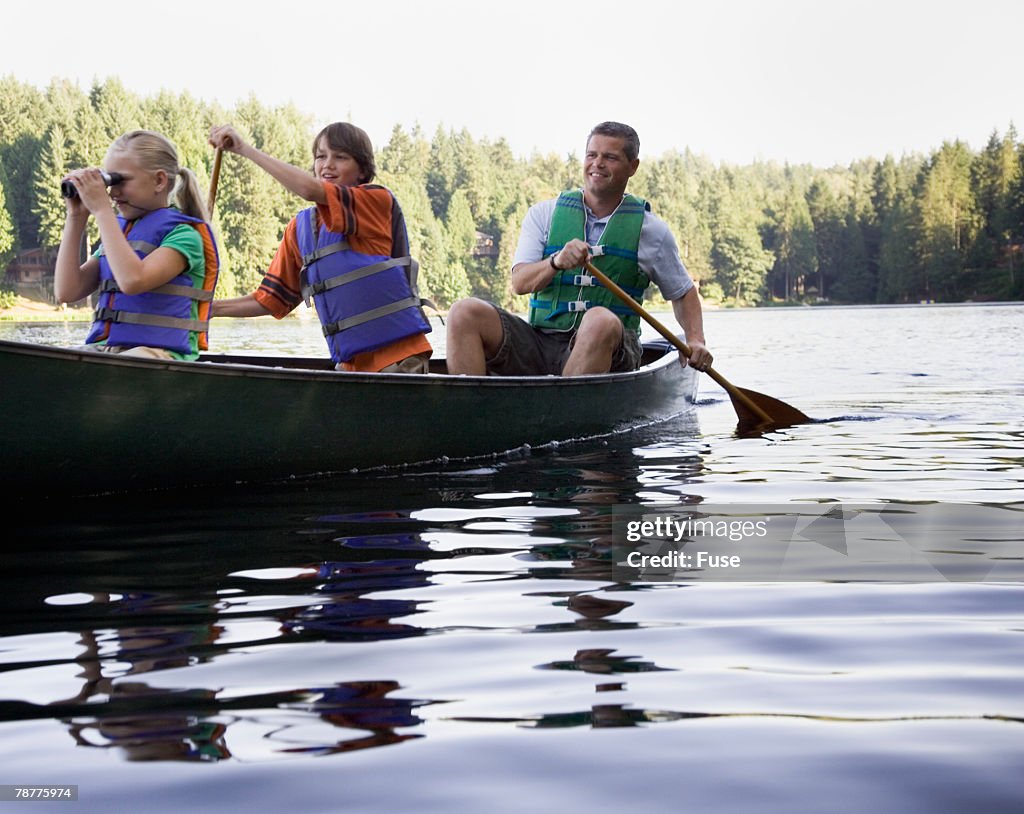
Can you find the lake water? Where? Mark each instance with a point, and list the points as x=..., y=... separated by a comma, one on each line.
x=455, y=639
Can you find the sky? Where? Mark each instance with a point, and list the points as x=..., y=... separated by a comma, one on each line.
x=822, y=82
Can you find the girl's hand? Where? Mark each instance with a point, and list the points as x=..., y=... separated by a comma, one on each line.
x=92, y=191
x=75, y=208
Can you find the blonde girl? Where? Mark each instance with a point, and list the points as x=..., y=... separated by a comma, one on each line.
x=157, y=264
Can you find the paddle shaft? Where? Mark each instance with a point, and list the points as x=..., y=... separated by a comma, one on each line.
x=683, y=348
x=215, y=177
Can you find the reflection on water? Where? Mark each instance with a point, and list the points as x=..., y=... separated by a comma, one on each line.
x=471, y=616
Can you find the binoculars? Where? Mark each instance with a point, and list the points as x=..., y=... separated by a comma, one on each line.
x=67, y=189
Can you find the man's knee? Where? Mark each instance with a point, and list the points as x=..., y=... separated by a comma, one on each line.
x=471, y=321
x=600, y=325
x=470, y=315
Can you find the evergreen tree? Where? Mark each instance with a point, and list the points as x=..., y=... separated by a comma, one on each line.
x=460, y=228
x=68, y=106
x=996, y=178
x=8, y=236
x=739, y=260
x=115, y=110
x=854, y=281
x=398, y=157
x=452, y=283
x=506, y=175
x=1015, y=258
x=948, y=223
x=49, y=209
x=796, y=258
x=440, y=180
x=829, y=223
x=495, y=285
x=671, y=188
x=898, y=266
x=23, y=124
x=473, y=176
x=892, y=199
x=554, y=174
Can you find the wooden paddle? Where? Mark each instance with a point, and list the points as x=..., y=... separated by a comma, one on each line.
x=756, y=412
x=213, y=181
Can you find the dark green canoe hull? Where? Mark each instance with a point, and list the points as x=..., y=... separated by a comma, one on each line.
x=79, y=422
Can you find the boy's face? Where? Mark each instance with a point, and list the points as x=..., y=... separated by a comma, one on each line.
x=336, y=166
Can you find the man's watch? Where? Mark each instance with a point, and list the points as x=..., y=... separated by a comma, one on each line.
x=551, y=260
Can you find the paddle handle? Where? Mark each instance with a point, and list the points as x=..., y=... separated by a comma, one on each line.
x=679, y=344
x=214, y=179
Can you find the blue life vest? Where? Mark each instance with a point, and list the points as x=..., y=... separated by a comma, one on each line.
x=161, y=318
x=364, y=301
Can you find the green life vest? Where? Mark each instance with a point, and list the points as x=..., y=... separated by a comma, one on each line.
x=561, y=305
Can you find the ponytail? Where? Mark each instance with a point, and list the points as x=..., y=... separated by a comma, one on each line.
x=188, y=197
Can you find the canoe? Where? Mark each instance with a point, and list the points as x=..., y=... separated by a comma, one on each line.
x=81, y=422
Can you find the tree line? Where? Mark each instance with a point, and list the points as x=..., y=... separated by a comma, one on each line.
x=947, y=226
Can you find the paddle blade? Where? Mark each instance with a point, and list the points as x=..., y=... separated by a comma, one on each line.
x=780, y=414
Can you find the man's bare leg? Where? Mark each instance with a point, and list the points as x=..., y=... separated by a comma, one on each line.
x=474, y=335
x=598, y=337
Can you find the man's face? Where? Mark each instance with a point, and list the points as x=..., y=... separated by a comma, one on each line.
x=606, y=170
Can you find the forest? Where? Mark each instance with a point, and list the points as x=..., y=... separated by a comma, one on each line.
x=942, y=227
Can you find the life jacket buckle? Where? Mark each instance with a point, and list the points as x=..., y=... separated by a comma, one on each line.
x=583, y=280
x=578, y=305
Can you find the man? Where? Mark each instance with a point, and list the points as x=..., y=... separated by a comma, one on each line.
x=576, y=326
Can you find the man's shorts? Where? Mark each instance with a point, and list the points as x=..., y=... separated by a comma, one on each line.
x=528, y=351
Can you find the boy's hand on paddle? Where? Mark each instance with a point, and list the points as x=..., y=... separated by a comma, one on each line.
x=225, y=137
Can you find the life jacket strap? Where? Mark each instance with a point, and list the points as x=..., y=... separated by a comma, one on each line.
x=138, y=245
x=575, y=306
x=197, y=294
x=310, y=291
x=612, y=251
x=131, y=318
x=324, y=251
x=373, y=313
x=586, y=280
x=187, y=291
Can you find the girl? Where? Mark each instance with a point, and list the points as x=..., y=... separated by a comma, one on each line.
x=157, y=264
x=349, y=255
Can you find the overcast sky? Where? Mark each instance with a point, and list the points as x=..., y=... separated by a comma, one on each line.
x=816, y=81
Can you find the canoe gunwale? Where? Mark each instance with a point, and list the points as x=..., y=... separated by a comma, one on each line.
x=313, y=368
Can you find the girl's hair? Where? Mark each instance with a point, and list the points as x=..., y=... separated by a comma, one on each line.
x=347, y=138
x=155, y=152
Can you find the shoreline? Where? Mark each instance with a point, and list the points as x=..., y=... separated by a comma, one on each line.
x=27, y=310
